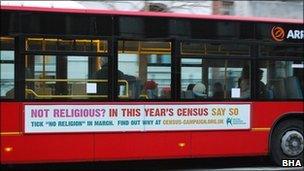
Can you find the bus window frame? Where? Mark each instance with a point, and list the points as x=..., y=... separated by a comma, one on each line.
x=112, y=54
x=174, y=69
x=274, y=59
x=64, y=53
x=251, y=58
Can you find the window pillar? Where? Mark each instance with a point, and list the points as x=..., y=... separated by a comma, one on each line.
x=19, y=68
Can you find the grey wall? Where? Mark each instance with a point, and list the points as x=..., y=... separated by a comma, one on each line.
x=276, y=9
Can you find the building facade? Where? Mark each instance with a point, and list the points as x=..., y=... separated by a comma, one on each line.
x=274, y=9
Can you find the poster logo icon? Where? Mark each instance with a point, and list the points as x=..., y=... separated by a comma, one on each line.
x=278, y=33
x=229, y=121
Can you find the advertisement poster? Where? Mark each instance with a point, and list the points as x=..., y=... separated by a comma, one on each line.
x=121, y=118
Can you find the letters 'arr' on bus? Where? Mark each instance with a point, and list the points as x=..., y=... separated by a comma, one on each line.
x=116, y=85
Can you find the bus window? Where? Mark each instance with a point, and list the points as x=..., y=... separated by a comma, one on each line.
x=280, y=80
x=223, y=49
x=221, y=79
x=76, y=45
x=7, y=76
x=290, y=50
x=39, y=69
x=192, y=75
x=74, y=77
x=146, y=68
x=66, y=76
x=228, y=79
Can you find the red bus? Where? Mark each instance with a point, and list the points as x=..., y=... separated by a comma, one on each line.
x=97, y=85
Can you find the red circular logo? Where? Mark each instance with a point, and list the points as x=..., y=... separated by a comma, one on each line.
x=278, y=33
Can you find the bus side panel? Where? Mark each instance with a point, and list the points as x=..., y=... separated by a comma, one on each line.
x=17, y=147
x=265, y=114
x=10, y=127
x=48, y=148
x=10, y=117
x=229, y=143
x=121, y=146
x=250, y=142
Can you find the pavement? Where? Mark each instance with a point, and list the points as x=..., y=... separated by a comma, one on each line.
x=259, y=168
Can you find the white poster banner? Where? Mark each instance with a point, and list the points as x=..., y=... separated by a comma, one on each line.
x=121, y=118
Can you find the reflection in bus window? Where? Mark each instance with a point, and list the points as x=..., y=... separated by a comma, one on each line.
x=7, y=80
x=282, y=79
x=147, y=69
x=7, y=68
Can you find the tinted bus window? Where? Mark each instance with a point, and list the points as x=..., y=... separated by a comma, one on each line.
x=222, y=49
x=7, y=77
x=66, y=76
x=280, y=79
x=144, y=70
x=215, y=79
x=76, y=45
x=290, y=50
x=50, y=76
